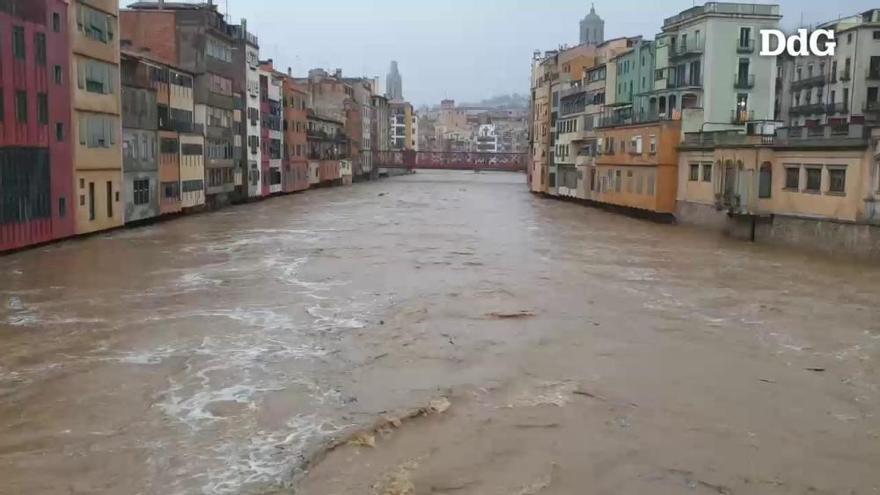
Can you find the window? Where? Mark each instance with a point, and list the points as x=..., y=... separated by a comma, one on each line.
x=618, y=180
x=876, y=35
x=2, y=105
x=62, y=207
x=95, y=77
x=218, y=50
x=91, y=200
x=40, y=47
x=18, y=49
x=59, y=132
x=168, y=145
x=21, y=110
x=43, y=108
x=109, y=199
x=695, y=172
x=814, y=179
x=220, y=85
x=141, y=191
x=171, y=190
x=94, y=24
x=765, y=181
x=837, y=180
x=56, y=22
x=193, y=185
x=707, y=172
x=97, y=131
x=650, y=183
x=792, y=178
x=59, y=75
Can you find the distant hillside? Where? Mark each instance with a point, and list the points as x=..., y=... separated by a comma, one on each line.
x=515, y=100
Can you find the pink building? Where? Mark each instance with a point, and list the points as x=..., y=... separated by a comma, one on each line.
x=36, y=165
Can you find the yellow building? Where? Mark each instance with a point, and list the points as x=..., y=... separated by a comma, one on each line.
x=192, y=171
x=96, y=127
x=820, y=193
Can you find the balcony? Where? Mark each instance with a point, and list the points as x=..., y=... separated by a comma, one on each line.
x=808, y=109
x=809, y=82
x=686, y=49
x=694, y=82
x=872, y=107
x=741, y=116
x=833, y=108
x=744, y=81
x=822, y=135
x=872, y=74
x=845, y=75
x=745, y=45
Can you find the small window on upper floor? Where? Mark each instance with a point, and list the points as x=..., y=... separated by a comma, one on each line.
x=876, y=35
x=18, y=49
x=56, y=22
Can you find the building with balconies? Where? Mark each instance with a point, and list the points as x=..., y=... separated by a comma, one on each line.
x=246, y=81
x=272, y=136
x=196, y=38
x=816, y=92
x=706, y=58
x=295, y=171
x=141, y=84
x=96, y=121
x=37, y=196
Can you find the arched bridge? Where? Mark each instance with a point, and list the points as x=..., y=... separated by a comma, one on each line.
x=442, y=160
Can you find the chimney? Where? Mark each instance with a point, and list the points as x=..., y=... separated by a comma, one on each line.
x=289, y=72
x=338, y=74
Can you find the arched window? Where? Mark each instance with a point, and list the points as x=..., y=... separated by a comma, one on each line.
x=765, y=181
x=662, y=107
x=671, y=103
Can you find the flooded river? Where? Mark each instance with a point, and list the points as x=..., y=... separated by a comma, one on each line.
x=582, y=352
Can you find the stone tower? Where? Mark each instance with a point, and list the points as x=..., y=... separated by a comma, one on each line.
x=394, y=84
x=592, y=28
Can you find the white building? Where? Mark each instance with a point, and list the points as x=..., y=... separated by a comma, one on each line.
x=253, y=151
x=487, y=139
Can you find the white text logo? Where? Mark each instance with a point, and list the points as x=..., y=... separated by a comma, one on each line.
x=819, y=43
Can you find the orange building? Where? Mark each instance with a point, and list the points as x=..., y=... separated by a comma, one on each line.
x=295, y=168
x=636, y=166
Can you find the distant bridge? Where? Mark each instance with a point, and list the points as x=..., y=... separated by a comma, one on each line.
x=443, y=160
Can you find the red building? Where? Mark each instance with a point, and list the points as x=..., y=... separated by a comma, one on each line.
x=36, y=164
x=295, y=171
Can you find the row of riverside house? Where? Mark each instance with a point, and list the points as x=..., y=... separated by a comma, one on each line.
x=695, y=126
x=111, y=117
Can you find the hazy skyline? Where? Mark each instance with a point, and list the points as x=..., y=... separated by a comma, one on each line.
x=463, y=50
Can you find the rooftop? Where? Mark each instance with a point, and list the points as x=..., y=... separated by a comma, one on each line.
x=725, y=9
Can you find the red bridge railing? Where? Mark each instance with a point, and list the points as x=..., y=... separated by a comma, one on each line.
x=439, y=160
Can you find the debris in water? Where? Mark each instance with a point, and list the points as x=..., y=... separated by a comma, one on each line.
x=766, y=380
x=510, y=316
x=816, y=370
x=363, y=439
x=382, y=194
x=439, y=406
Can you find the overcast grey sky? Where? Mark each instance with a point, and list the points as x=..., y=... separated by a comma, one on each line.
x=462, y=49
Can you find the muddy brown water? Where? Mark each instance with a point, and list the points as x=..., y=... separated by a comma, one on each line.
x=214, y=353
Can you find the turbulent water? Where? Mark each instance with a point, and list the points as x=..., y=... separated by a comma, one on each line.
x=211, y=354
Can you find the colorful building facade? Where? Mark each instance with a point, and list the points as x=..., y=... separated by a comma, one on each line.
x=36, y=168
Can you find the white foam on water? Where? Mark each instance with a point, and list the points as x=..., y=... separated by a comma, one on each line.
x=268, y=458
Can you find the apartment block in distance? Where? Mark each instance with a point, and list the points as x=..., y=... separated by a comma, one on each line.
x=196, y=38
x=96, y=121
x=36, y=168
